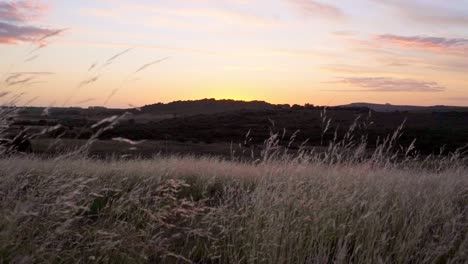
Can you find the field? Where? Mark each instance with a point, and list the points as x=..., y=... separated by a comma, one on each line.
x=208, y=210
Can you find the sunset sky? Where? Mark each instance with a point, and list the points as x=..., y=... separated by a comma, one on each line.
x=135, y=52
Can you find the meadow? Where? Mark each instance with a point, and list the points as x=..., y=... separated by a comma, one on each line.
x=306, y=207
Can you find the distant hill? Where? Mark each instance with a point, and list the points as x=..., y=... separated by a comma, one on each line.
x=206, y=106
x=410, y=108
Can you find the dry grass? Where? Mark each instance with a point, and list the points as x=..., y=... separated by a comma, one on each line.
x=206, y=210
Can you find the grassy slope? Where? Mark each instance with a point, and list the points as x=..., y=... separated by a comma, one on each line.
x=178, y=210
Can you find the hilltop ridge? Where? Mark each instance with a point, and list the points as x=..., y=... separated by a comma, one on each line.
x=206, y=106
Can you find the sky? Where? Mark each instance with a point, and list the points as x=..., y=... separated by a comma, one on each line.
x=121, y=53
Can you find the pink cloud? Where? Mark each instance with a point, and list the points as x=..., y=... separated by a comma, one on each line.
x=14, y=34
x=434, y=44
x=15, y=23
x=311, y=8
x=21, y=11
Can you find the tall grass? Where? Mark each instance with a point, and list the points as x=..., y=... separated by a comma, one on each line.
x=207, y=210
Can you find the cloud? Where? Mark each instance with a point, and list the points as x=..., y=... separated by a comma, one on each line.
x=15, y=23
x=386, y=84
x=311, y=8
x=21, y=11
x=434, y=44
x=14, y=34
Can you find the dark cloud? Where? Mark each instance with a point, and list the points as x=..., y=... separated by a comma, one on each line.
x=386, y=84
x=16, y=26
x=13, y=34
x=311, y=8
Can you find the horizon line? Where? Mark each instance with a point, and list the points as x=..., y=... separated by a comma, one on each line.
x=237, y=100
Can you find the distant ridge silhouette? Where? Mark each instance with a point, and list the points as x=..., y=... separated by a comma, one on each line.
x=206, y=106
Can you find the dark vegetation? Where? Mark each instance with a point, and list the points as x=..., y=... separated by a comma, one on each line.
x=223, y=121
x=15, y=144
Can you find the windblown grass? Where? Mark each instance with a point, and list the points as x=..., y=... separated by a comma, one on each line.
x=206, y=210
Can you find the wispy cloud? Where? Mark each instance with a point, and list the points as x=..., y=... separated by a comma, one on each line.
x=21, y=11
x=434, y=44
x=312, y=8
x=15, y=23
x=387, y=84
